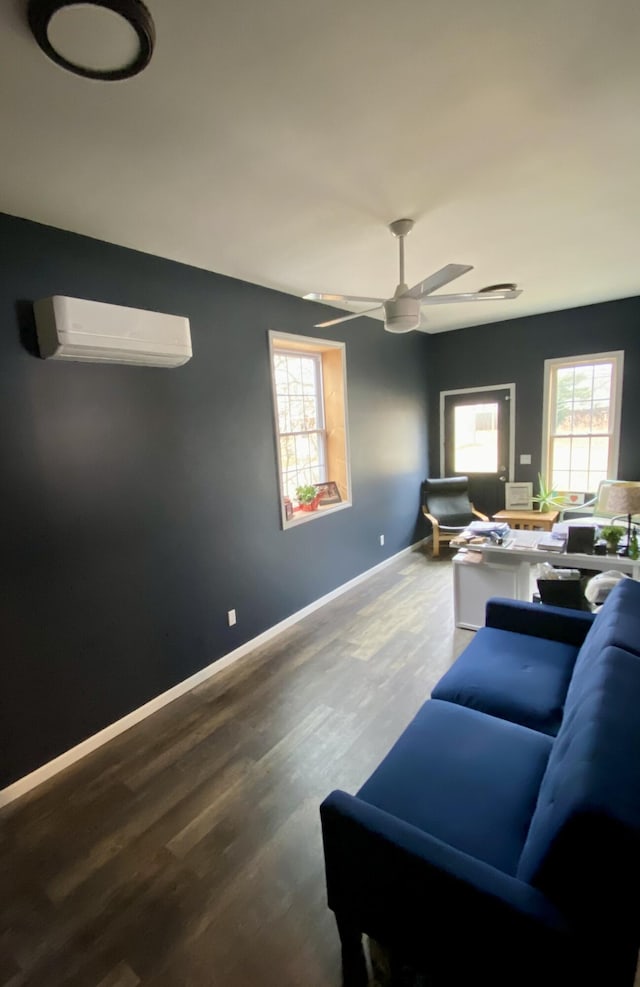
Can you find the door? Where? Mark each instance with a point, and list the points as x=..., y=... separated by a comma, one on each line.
x=476, y=430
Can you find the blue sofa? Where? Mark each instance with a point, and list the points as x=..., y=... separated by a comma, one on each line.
x=499, y=840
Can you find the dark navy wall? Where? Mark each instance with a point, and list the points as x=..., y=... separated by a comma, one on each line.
x=515, y=351
x=140, y=504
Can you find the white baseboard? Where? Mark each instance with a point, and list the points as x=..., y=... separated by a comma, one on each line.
x=51, y=768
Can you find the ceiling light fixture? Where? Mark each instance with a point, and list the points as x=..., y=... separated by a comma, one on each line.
x=97, y=39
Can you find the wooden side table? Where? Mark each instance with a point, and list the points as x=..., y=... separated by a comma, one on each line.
x=528, y=520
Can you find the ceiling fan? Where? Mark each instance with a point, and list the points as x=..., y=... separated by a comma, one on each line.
x=402, y=312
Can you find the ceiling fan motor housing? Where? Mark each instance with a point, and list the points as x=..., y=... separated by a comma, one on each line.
x=402, y=314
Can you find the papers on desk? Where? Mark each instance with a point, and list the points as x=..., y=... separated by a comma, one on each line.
x=524, y=539
x=487, y=528
x=481, y=533
x=550, y=542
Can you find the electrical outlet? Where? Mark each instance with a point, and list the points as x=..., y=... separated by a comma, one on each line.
x=382, y=539
x=525, y=459
x=231, y=617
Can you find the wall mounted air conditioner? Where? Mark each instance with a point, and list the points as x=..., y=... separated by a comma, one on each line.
x=77, y=329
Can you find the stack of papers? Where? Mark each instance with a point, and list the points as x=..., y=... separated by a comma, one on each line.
x=487, y=528
x=525, y=539
x=549, y=542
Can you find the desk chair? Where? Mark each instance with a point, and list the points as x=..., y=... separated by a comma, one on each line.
x=445, y=502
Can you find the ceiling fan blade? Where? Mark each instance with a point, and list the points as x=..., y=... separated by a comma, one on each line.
x=471, y=296
x=438, y=280
x=315, y=296
x=345, y=318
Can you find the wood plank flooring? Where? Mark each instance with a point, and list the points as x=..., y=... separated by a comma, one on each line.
x=187, y=852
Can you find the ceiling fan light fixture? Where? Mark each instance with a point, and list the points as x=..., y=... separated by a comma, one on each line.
x=107, y=40
x=402, y=314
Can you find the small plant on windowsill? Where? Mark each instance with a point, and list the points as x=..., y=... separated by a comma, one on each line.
x=308, y=497
x=546, y=497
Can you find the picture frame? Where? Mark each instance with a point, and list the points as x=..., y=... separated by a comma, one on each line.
x=570, y=499
x=329, y=493
x=518, y=496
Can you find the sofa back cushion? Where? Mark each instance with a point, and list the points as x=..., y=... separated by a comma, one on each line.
x=583, y=845
x=617, y=623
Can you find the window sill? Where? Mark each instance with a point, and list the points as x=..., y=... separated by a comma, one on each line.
x=302, y=517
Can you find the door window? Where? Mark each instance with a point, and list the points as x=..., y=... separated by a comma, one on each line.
x=475, y=438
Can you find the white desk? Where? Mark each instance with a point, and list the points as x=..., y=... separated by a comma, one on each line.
x=505, y=570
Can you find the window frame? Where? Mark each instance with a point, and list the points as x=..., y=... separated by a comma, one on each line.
x=306, y=345
x=551, y=366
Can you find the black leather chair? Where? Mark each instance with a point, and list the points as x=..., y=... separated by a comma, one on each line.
x=445, y=502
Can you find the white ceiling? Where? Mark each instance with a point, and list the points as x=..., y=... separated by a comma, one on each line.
x=275, y=141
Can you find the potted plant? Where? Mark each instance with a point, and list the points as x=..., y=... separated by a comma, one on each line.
x=612, y=533
x=546, y=496
x=308, y=497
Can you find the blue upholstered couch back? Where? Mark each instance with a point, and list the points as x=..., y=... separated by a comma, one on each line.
x=583, y=845
x=618, y=623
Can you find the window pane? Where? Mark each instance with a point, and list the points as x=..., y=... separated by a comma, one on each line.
x=561, y=456
x=599, y=455
x=281, y=377
x=600, y=419
x=579, y=481
x=475, y=430
x=583, y=384
x=284, y=416
x=565, y=383
x=309, y=374
x=580, y=454
x=310, y=412
x=287, y=452
x=581, y=416
x=297, y=414
x=602, y=381
x=564, y=418
x=595, y=477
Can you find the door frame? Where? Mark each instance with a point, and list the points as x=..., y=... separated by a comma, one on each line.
x=512, y=420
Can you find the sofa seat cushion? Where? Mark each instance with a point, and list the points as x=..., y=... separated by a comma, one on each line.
x=468, y=779
x=515, y=676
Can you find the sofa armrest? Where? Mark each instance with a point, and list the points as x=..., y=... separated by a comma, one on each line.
x=539, y=620
x=408, y=889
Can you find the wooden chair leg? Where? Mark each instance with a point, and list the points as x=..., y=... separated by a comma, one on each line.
x=435, y=545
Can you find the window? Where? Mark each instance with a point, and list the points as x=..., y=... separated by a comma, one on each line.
x=582, y=421
x=476, y=438
x=298, y=389
x=309, y=396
